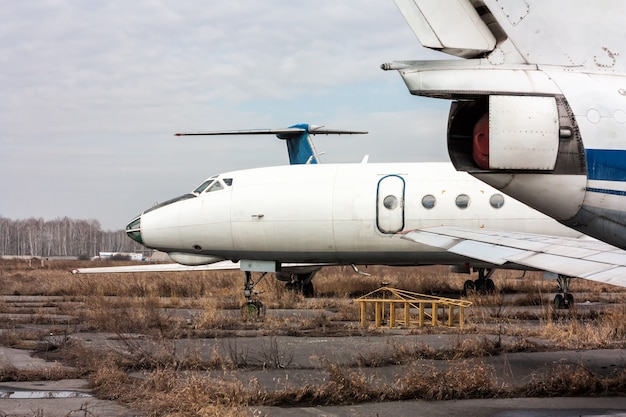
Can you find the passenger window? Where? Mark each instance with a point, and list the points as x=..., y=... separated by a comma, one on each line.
x=215, y=187
x=496, y=201
x=390, y=202
x=429, y=201
x=462, y=201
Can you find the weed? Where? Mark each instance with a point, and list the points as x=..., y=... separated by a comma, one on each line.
x=573, y=380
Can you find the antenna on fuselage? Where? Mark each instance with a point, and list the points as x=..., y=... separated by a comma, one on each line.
x=299, y=144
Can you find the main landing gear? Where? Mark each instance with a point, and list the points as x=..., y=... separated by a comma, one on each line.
x=298, y=282
x=252, y=307
x=301, y=283
x=564, y=299
x=483, y=285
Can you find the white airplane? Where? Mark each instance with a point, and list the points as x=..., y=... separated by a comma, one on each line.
x=294, y=219
x=539, y=102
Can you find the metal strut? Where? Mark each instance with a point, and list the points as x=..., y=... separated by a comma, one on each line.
x=252, y=307
x=249, y=284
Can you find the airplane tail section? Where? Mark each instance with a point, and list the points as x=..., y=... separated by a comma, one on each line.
x=299, y=144
x=570, y=33
x=430, y=21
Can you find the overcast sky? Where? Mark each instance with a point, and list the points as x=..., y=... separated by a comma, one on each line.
x=91, y=94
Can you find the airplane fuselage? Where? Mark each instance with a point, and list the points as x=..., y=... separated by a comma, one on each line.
x=342, y=213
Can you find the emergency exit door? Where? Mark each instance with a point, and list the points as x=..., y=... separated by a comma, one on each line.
x=390, y=204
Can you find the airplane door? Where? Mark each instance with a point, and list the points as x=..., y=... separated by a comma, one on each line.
x=390, y=204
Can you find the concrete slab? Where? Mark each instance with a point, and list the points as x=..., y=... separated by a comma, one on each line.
x=50, y=398
x=56, y=399
x=510, y=407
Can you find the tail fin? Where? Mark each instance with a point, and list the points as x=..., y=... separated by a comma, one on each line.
x=299, y=144
x=528, y=32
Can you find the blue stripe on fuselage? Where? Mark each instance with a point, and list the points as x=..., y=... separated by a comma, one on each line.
x=606, y=191
x=606, y=164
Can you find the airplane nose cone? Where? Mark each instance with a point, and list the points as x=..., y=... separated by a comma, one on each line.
x=133, y=230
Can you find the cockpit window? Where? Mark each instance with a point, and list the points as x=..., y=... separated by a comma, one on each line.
x=228, y=181
x=216, y=186
x=168, y=202
x=203, y=186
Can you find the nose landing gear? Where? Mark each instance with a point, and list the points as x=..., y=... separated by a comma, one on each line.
x=252, y=307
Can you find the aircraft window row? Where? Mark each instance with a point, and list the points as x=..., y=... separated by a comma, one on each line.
x=462, y=201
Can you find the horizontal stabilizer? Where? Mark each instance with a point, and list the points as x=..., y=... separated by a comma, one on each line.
x=299, y=145
x=312, y=130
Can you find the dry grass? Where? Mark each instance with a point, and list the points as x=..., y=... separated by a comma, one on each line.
x=579, y=331
x=188, y=394
x=10, y=373
x=570, y=381
x=146, y=314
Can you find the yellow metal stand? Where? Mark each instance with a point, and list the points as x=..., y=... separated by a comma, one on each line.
x=417, y=307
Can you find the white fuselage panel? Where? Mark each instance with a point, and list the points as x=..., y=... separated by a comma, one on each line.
x=347, y=213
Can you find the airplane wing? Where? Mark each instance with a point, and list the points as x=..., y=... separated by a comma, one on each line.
x=584, y=257
x=174, y=267
x=171, y=267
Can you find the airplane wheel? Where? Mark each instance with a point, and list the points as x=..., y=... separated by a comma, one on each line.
x=252, y=309
x=570, y=300
x=559, y=302
x=485, y=286
x=304, y=288
x=295, y=286
x=490, y=287
x=468, y=287
x=308, y=290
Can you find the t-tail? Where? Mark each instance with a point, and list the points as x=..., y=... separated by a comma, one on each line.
x=300, y=147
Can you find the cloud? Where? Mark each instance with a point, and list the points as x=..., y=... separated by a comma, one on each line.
x=93, y=92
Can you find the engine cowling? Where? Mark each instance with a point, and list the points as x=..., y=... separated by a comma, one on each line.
x=527, y=146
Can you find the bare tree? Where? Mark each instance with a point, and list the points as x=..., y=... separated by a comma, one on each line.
x=60, y=237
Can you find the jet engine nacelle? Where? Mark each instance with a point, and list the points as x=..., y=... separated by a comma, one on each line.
x=517, y=132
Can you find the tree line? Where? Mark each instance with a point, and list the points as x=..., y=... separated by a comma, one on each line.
x=60, y=237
